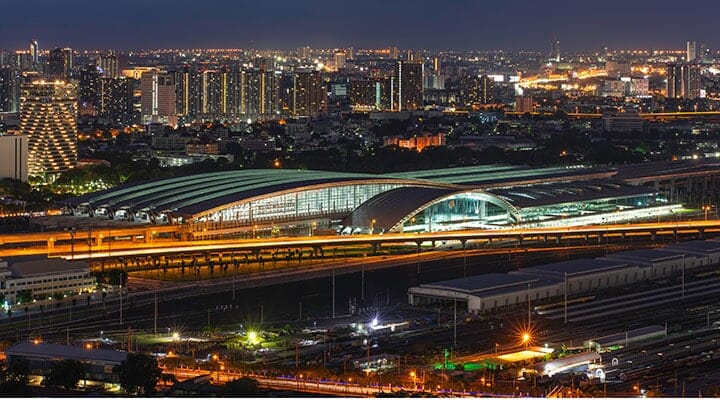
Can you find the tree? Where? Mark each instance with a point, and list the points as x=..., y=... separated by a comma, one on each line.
x=14, y=377
x=139, y=372
x=66, y=374
x=244, y=386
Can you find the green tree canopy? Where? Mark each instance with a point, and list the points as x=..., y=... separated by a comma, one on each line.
x=139, y=373
x=14, y=378
x=66, y=374
x=241, y=387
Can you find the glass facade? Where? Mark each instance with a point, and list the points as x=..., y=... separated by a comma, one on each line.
x=304, y=204
x=462, y=211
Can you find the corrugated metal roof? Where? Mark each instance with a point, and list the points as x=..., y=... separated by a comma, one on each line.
x=51, y=350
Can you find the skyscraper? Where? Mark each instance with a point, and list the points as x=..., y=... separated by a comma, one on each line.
x=309, y=97
x=109, y=66
x=340, y=58
x=60, y=63
x=8, y=86
x=116, y=100
x=89, y=86
x=157, y=98
x=259, y=92
x=34, y=52
x=683, y=81
x=408, y=88
x=691, y=51
x=555, y=51
x=48, y=113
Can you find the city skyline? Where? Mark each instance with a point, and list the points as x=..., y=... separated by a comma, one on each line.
x=454, y=25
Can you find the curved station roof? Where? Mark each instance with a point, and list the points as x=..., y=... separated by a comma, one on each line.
x=383, y=201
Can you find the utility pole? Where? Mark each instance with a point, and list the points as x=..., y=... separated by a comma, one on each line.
x=121, y=290
x=262, y=315
x=362, y=280
x=455, y=321
x=566, y=296
x=156, y=315
x=528, y=296
x=333, y=292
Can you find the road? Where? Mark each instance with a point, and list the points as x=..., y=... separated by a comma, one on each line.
x=521, y=235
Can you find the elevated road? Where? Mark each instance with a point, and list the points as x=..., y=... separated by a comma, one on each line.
x=80, y=249
x=521, y=236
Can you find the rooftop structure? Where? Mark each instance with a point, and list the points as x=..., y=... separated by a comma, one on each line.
x=488, y=196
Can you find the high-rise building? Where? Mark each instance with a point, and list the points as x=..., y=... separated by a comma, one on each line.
x=157, y=98
x=259, y=92
x=116, y=100
x=555, y=51
x=683, y=81
x=437, y=65
x=14, y=157
x=524, y=104
x=394, y=53
x=186, y=92
x=340, y=58
x=350, y=53
x=408, y=88
x=34, y=52
x=691, y=51
x=303, y=53
x=362, y=93
x=48, y=113
x=60, y=63
x=109, y=66
x=309, y=96
x=8, y=89
x=475, y=90
x=88, y=88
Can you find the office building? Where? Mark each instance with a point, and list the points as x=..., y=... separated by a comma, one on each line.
x=340, y=58
x=683, y=81
x=60, y=64
x=555, y=51
x=408, y=91
x=48, y=113
x=34, y=52
x=309, y=96
x=14, y=157
x=627, y=121
x=157, y=98
x=303, y=52
x=8, y=89
x=691, y=52
x=109, y=66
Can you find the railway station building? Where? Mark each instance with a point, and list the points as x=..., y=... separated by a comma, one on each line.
x=299, y=201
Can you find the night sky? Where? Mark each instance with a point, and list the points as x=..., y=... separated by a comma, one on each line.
x=430, y=24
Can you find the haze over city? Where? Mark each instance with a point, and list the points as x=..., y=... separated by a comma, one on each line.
x=359, y=199
x=416, y=24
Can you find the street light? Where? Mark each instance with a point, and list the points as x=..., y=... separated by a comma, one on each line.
x=372, y=226
x=526, y=339
x=413, y=375
x=706, y=209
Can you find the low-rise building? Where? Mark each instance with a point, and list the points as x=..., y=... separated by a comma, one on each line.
x=41, y=357
x=44, y=277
